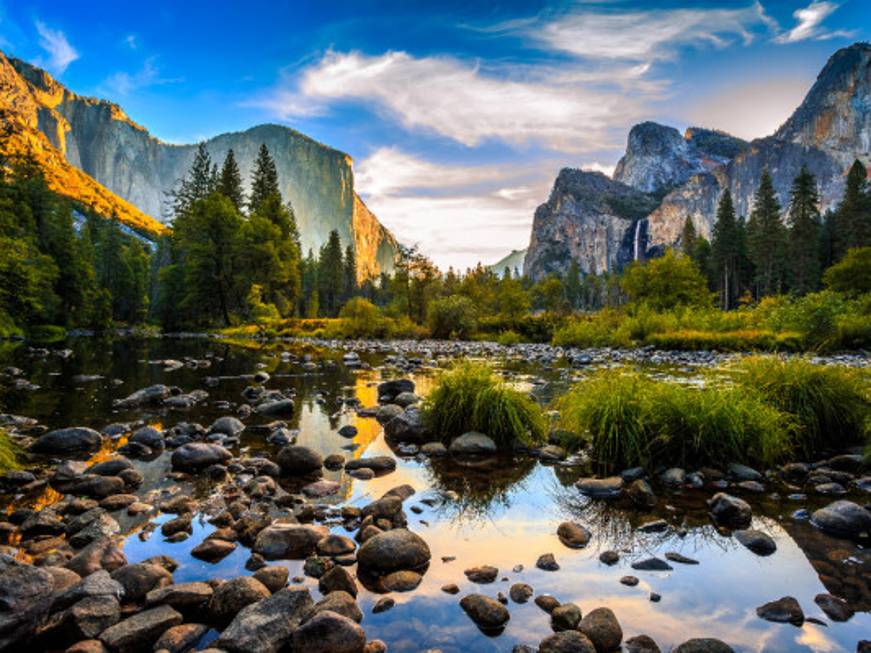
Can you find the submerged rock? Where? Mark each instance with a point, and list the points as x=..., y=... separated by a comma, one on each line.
x=730, y=511
x=843, y=519
x=488, y=614
x=472, y=443
x=198, y=455
x=783, y=610
x=757, y=541
x=601, y=488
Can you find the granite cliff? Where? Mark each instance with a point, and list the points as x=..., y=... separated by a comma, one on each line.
x=684, y=175
x=96, y=137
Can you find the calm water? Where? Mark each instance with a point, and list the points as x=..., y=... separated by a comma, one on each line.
x=502, y=512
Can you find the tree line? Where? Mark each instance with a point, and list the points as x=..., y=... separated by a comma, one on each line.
x=774, y=252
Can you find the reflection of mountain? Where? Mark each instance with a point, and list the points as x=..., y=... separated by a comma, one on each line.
x=829, y=558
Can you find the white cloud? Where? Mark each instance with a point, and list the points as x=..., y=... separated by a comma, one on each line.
x=489, y=208
x=131, y=41
x=605, y=168
x=643, y=36
x=461, y=100
x=60, y=53
x=809, y=21
x=124, y=83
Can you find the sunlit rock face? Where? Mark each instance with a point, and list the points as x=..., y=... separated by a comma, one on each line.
x=590, y=219
x=830, y=129
x=97, y=137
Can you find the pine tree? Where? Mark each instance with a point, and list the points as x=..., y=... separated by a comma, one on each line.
x=804, y=234
x=264, y=180
x=198, y=184
x=350, y=273
x=852, y=224
x=688, y=237
x=331, y=275
x=725, y=246
x=766, y=239
x=573, y=285
x=230, y=181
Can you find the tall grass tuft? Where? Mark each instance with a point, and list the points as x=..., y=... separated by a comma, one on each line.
x=469, y=397
x=831, y=404
x=634, y=420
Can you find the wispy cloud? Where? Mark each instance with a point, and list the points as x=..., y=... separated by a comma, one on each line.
x=641, y=36
x=60, y=53
x=461, y=101
x=131, y=41
x=125, y=83
x=809, y=24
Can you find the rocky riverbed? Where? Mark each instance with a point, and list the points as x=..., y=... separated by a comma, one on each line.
x=191, y=494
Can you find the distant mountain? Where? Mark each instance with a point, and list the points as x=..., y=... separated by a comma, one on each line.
x=96, y=137
x=512, y=261
x=684, y=175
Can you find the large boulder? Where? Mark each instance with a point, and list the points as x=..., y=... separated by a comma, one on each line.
x=227, y=425
x=99, y=554
x=329, y=632
x=392, y=551
x=298, y=460
x=567, y=641
x=77, y=439
x=704, y=645
x=231, y=596
x=25, y=597
x=843, y=519
x=195, y=456
x=602, y=629
x=140, y=578
x=265, y=626
x=289, y=541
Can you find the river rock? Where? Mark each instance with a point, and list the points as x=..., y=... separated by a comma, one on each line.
x=77, y=439
x=337, y=579
x=140, y=631
x=289, y=541
x=704, y=645
x=760, y=543
x=389, y=390
x=836, y=608
x=148, y=436
x=228, y=425
x=565, y=616
x=230, y=597
x=569, y=641
x=744, y=473
x=180, y=638
x=843, y=519
x=601, y=488
x=482, y=575
x=298, y=460
x=783, y=610
x=520, y=592
x=641, y=494
x=488, y=614
x=651, y=564
x=573, y=535
x=407, y=426
x=378, y=464
x=140, y=578
x=266, y=626
x=100, y=554
x=393, y=550
x=25, y=597
x=546, y=562
x=341, y=603
x=152, y=395
x=329, y=632
x=278, y=406
x=674, y=477
x=730, y=511
x=213, y=550
x=195, y=456
x=602, y=629
x=472, y=443
x=185, y=597
x=641, y=644
x=403, y=580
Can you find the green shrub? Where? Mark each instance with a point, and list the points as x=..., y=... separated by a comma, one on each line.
x=8, y=328
x=46, y=333
x=530, y=328
x=360, y=318
x=666, y=282
x=508, y=338
x=602, y=329
x=852, y=274
x=759, y=340
x=469, y=397
x=831, y=404
x=632, y=420
x=9, y=451
x=452, y=317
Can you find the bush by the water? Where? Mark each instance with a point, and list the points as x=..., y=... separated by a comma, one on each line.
x=8, y=452
x=830, y=404
x=631, y=420
x=470, y=397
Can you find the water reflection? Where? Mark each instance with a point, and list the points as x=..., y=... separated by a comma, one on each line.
x=503, y=512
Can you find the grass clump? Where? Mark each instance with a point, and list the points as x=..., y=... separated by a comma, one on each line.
x=470, y=397
x=744, y=340
x=631, y=420
x=830, y=404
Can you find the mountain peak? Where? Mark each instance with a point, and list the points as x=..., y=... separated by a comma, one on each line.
x=836, y=113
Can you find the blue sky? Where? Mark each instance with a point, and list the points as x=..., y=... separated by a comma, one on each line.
x=458, y=114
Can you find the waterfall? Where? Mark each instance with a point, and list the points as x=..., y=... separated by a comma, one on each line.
x=637, y=235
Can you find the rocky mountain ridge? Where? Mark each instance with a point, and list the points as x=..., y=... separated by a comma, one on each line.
x=684, y=176
x=98, y=138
